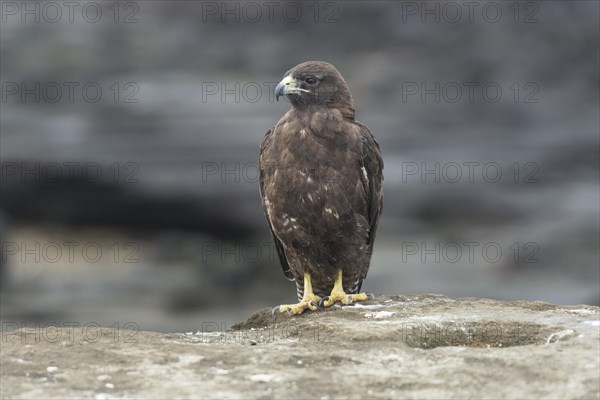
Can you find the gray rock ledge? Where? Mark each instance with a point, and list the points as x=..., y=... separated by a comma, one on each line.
x=425, y=346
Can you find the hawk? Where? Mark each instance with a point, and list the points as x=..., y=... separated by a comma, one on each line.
x=321, y=188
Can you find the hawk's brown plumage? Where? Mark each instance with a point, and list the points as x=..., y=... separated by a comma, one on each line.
x=320, y=181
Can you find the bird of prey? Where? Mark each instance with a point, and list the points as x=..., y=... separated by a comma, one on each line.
x=321, y=188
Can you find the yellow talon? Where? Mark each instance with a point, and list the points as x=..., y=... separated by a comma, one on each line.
x=338, y=294
x=309, y=300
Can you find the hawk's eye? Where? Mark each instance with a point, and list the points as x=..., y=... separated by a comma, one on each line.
x=310, y=80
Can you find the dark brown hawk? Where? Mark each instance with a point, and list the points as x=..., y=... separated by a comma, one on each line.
x=320, y=184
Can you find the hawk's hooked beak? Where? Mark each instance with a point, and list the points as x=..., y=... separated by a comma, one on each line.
x=288, y=85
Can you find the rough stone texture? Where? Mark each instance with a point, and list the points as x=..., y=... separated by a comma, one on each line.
x=427, y=346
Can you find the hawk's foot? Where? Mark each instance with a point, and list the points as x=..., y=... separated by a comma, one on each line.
x=343, y=298
x=338, y=294
x=309, y=300
x=295, y=309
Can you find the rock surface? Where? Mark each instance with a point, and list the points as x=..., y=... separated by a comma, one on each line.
x=426, y=346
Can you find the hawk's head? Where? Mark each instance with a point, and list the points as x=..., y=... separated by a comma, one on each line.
x=315, y=83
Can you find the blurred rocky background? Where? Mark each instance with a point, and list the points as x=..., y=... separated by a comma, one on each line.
x=130, y=134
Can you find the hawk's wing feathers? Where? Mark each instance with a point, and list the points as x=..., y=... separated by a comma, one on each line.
x=278, y=245
x=372, y=179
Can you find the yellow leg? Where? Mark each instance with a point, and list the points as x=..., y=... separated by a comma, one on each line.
x=338, y=294
x=309, y=300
